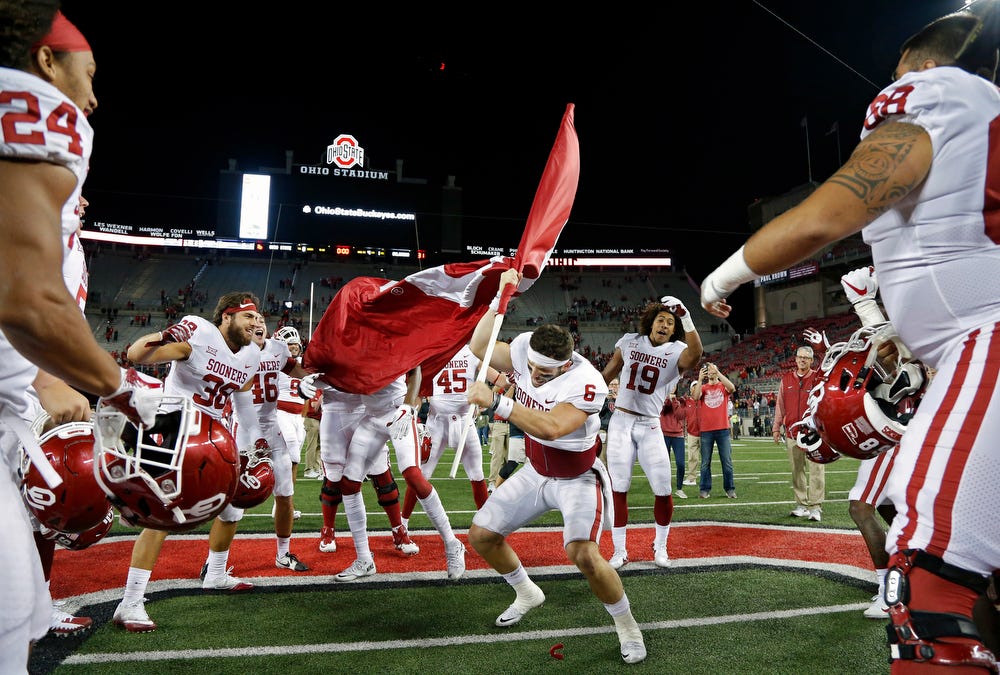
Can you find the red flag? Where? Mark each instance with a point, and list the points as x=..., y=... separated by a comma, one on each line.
x=552, y=205
x=376, y=330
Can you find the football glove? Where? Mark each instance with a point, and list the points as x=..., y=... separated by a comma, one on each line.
x=402, y=422
x=816, y=338
x=307, y=386
x=860, y=287
x=137, y=398
x=677, y=307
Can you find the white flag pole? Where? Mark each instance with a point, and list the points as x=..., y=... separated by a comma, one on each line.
x=480, y=377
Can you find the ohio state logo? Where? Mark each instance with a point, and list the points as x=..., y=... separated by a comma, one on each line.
x=345, y=152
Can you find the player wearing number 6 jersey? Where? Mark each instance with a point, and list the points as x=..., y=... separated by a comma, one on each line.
x=648, y=364
x=210, y=361
x=559, y=398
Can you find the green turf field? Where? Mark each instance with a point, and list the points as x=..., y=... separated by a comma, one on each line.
x=705, y=617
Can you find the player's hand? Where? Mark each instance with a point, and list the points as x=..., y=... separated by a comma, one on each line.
x=674, y=305
x=307, y=386
x=137, y=398
x=402, y=423
x=815, y=337
x=860, y=284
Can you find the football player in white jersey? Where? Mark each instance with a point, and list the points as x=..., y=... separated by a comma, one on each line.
x=447, y=414
x=209, y=362
x=650, y=363
x=256, y=426
x=922, y=189
x=290, y=404
x=390, y=413
x=342, y=413
x=559, y=396
x=46, y=94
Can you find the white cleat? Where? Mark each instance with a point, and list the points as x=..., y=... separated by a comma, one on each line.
x=357, y=570
x=634, y=651
x=619, y=560
x=455, y=554
x=878, y=609
x=133, y=617
x=661, y=559
x=520, y=607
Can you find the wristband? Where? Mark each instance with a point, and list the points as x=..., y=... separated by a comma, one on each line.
x=727, y=277
x=495, y=303
x=504, y=407
x=687, y=323
x=868, y=311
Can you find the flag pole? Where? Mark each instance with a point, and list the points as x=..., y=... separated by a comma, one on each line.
x=805, y=125
x=480, y=377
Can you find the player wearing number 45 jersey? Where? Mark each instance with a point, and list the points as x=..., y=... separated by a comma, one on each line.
x=649, y=364
x=559, y=398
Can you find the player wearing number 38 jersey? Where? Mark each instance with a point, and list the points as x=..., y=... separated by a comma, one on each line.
x=648, y=364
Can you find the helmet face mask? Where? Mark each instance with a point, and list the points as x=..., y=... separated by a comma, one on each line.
x=863, y=404
x=172, y=476
x=287, y=334
x=78, y=503
x=256, y=481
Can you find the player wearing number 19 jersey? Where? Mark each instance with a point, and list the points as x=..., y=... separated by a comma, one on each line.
x=648, y=365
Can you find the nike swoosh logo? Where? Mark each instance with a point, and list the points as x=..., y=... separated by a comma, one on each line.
x=505, y=622
x=859, y=291
x=246, y=305
x=548, y=402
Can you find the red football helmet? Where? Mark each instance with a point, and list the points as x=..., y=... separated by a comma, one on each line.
x=809, y=442
x=256, y=480
x=862, y=406
x=77, y=541
x=78, y=503
x=173, y=476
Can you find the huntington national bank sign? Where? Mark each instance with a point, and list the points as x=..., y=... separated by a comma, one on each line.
x=345, y=158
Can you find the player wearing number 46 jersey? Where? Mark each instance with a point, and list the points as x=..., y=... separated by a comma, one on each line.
x=648, y=365
x=559, y=398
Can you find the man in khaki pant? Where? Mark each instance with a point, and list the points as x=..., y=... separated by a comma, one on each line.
x=808, y=478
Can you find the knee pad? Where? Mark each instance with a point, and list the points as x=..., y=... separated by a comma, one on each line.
x=330, y=493
x=917, y=635
x=385, y=489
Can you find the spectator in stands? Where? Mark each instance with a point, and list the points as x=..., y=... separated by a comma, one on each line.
x=713, y=389
x=808, y=478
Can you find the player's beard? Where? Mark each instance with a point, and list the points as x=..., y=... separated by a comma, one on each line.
x=237, y=335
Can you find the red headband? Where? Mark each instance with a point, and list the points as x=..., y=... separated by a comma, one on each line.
x=64, y=37
x=245, y=306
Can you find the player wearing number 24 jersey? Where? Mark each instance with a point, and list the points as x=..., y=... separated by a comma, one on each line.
x=648, y=365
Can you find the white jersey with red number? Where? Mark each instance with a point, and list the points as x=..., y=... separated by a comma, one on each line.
x=41, y=124
x=451, y=384
x=264, y=392
x=212, y=373
x=935, y=249
x=649, y=373
x=936, y=253
x=582, y=386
